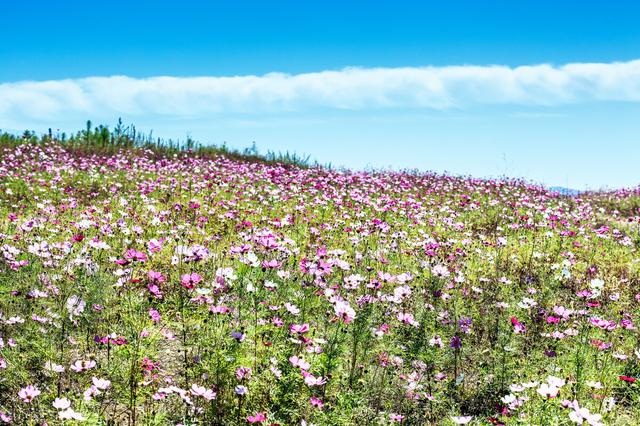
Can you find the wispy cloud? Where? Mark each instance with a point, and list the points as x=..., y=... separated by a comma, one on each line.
x=351, y=88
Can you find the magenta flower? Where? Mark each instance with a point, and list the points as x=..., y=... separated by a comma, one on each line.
x=189, y=281
x=518, y=327
x=257, y=418
x=154, y=314
x=316, y=402
x=155, y=291
x=156, y=277
x=455, y=342
x=135, y=255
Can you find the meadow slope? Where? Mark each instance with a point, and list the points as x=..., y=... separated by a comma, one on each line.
x=142, y=287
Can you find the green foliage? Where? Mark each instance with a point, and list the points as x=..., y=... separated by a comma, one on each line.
x=100, y=140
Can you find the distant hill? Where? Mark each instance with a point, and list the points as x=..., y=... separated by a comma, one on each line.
x=565, y=191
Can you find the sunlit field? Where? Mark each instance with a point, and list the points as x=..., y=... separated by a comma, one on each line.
x=154, y=284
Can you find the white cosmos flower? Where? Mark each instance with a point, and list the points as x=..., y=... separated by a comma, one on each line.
x=461, y=420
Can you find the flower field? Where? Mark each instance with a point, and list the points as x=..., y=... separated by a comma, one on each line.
x=157, y=287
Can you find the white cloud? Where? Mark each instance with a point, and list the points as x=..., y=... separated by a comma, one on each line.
x=351, y=88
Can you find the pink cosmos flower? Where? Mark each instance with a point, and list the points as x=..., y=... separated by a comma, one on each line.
x=299, y=328
x=148, y=365
x=220, y=309
x=90, y=393
x=407, y=318
x=600, y=344
x=271, y=264
x=81, y=365
x=627, y=324
x=582, y=415
x=604, y=324
x=203, y=392
x=154, y=246
x=159, y=396
x=583, y=294
x=243, y=373
x=344, y=311
x=28, y=393
x=299, y=362
x=102, y=384
x=311, y=380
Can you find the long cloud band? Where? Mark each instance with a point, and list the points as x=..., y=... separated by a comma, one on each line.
x=351, y=88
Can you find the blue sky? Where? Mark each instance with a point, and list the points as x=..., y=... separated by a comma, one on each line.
x=456, y=87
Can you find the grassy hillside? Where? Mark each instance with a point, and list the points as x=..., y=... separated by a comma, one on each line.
x=101, y=140
x=150, y=282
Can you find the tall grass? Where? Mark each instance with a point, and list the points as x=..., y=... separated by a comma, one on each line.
x=101, y=140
